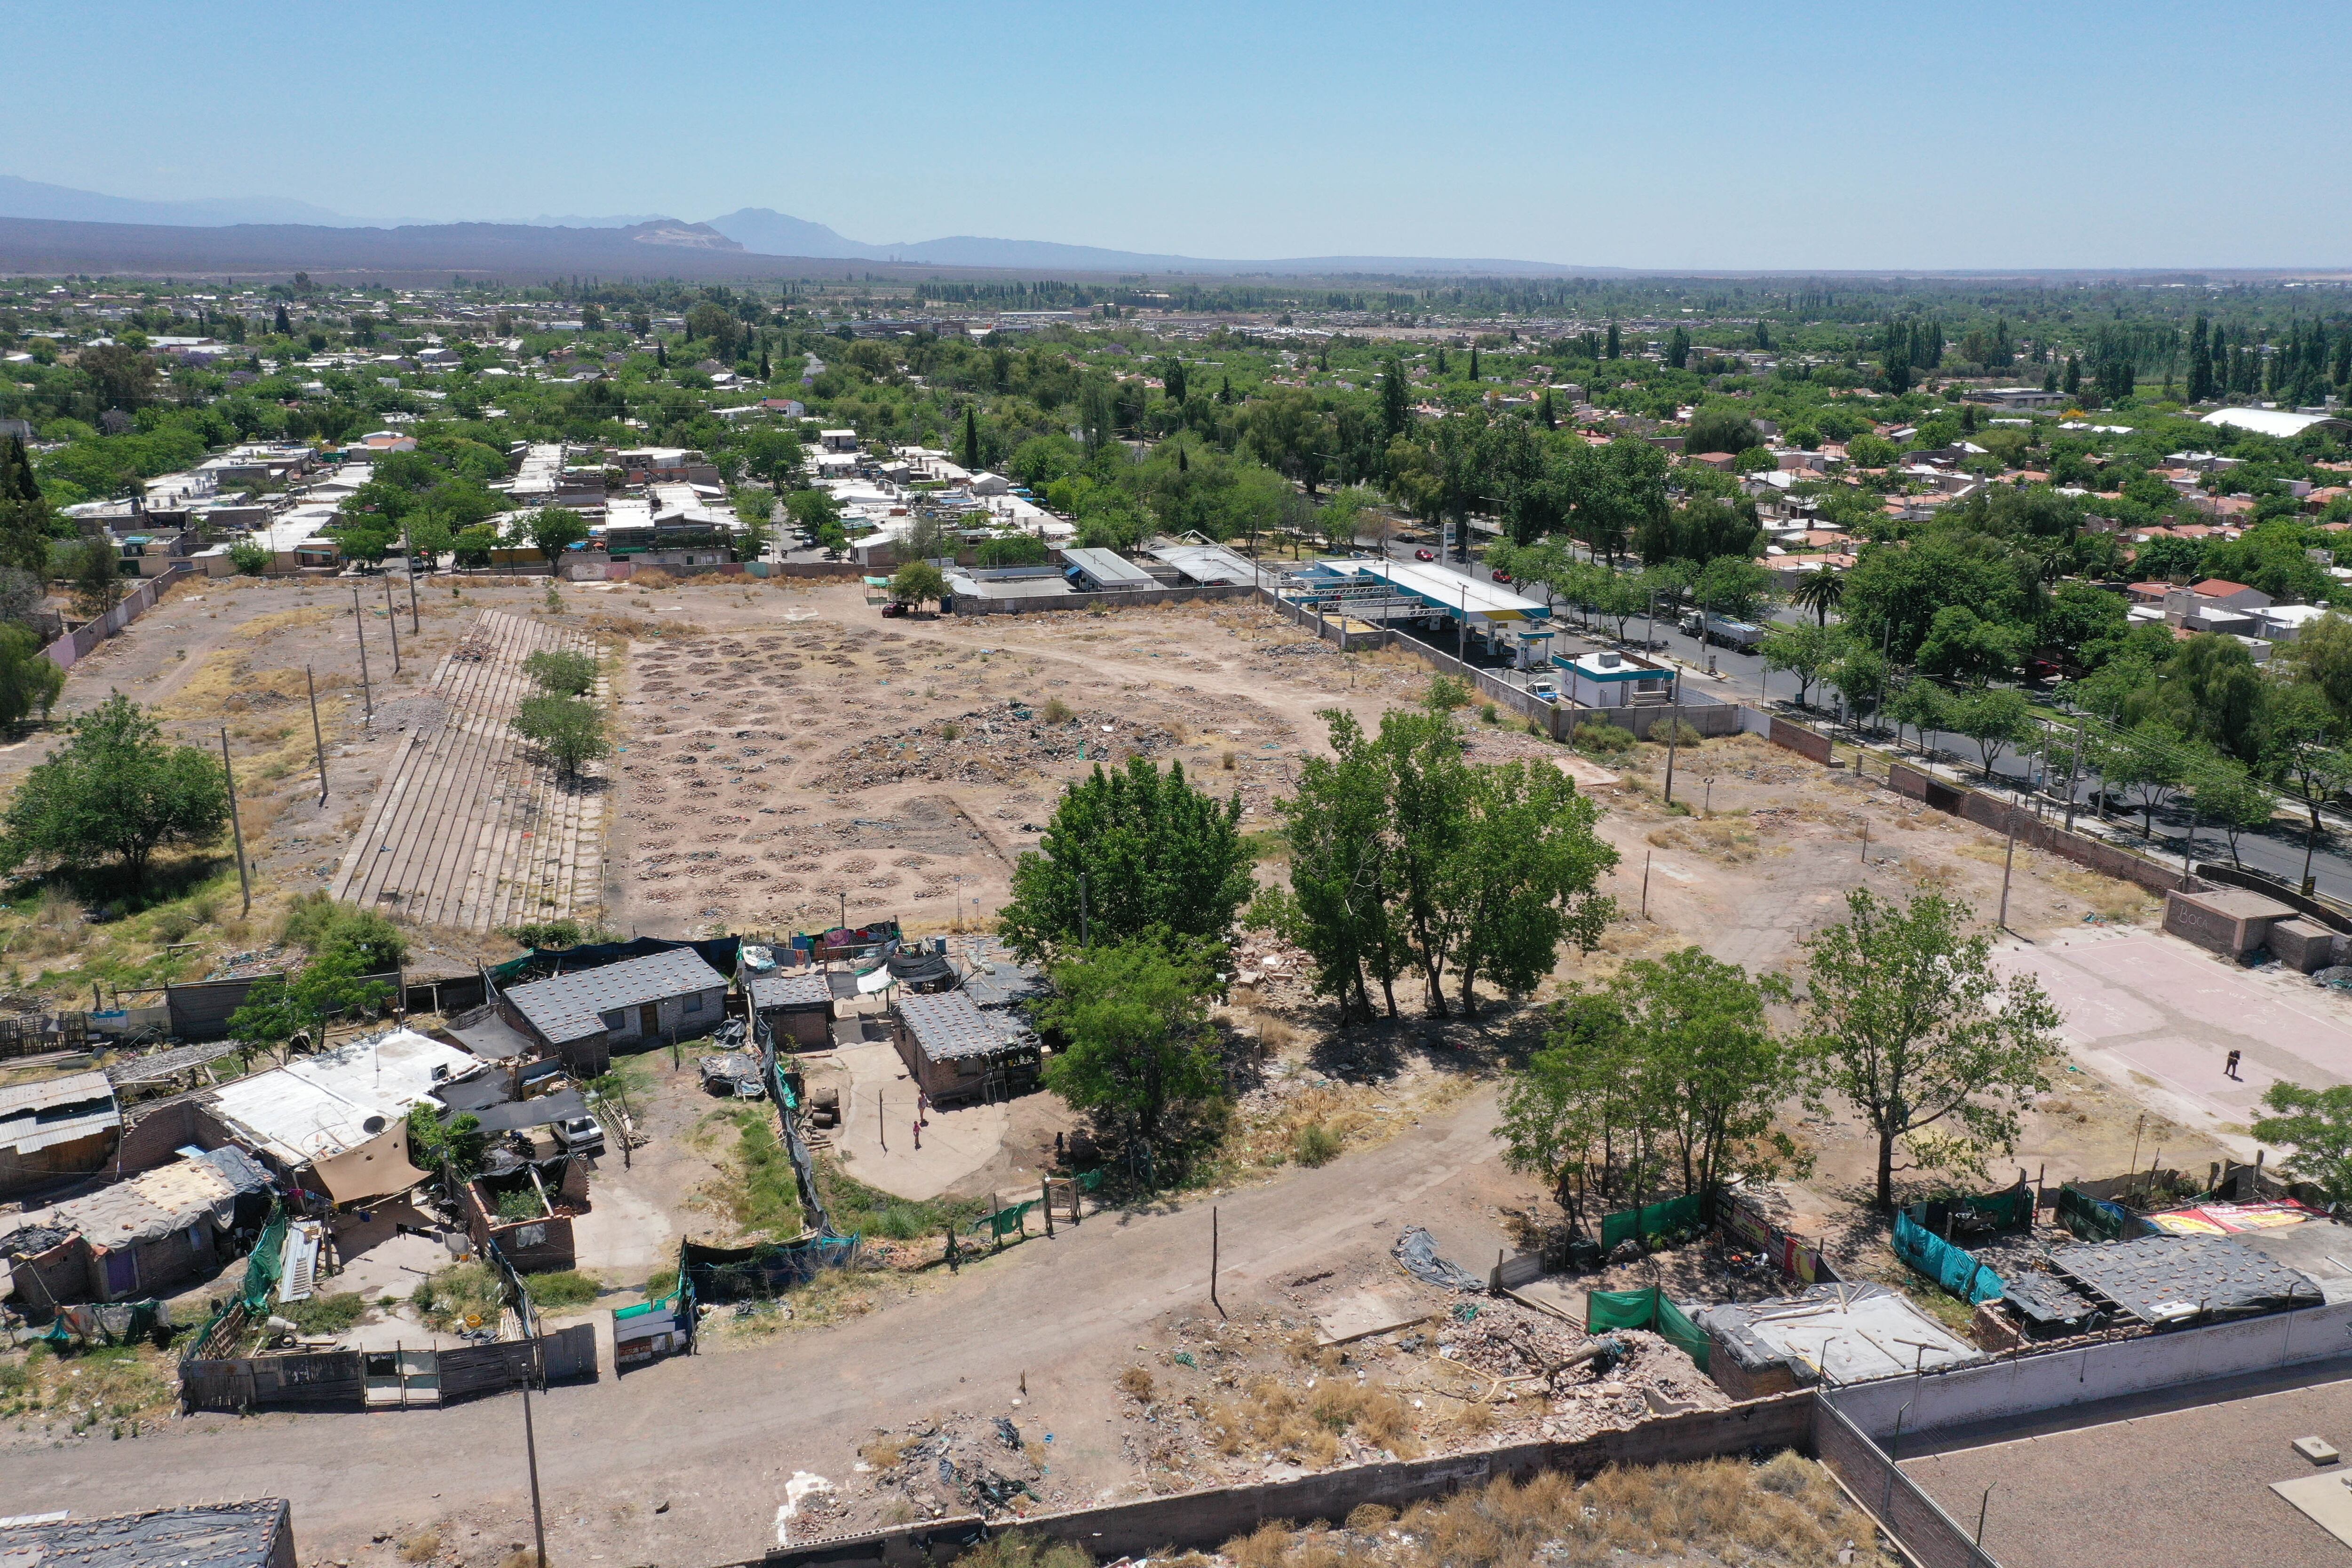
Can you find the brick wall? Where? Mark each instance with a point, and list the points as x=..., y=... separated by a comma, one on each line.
x=1799, y=739
x=1206, y=1520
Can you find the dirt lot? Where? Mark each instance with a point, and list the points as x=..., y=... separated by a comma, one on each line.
x=789, y=755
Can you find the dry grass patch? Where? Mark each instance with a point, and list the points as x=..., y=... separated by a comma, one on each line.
x=1305, y=1425
x=1784, y=1513
x=1729, y=839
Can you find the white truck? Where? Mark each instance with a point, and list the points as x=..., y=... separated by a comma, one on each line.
x=1723, y=631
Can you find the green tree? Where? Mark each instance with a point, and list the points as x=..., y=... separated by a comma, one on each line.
x=1523, y=881
x=1819, y=591
x=554, y=529
x=115, y=790
x=1337, y=910
x=1721, y=427
x=1134, y=1019
x=2316, y=1123
x=1717, y=1066
x=1961, y=645
x=473, y=545
x=918, y=583
x=1805, y=652
x=251, y=560
x=1158, y=858
x=2151, y=759
x=26, y=530
x=328, y=987
x=568, y=733
x=1907, y=1023
x=94, y=569
x=1995, y=719
x=1860, y=676
x=1585, y=1113
x=566, y=672
x=456, y=1147
x=2228, y=796
x=29, y=681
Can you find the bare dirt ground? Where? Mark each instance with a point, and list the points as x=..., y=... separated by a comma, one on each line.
x=813, y=783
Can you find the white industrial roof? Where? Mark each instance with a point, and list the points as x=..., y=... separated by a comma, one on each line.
x=322, y=1106
x=1465, y=594
x=2277, y=422
x=1205, y=562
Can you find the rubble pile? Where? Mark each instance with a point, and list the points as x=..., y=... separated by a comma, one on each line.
x=989, y=745
x=961, y=1463
x=1641, y=1376
x=1275, y=967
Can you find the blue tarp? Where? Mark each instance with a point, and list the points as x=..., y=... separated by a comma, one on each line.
x=1948, y=1266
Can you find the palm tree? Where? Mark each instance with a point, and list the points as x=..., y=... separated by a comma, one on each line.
x=1820, y=591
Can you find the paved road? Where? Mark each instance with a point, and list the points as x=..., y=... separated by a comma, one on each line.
x=717, y=1435
x=1740, y=676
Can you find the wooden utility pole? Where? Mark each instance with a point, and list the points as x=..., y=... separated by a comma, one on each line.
x=1674, y=736
x=530, y=1450
x=2007, y=859
x=409, y=543
x=367, y=693
x=318, y=737
x=1220, y=1306
x=392, y=623
x=244, y=877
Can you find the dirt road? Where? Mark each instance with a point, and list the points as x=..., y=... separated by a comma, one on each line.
x=717, y=1436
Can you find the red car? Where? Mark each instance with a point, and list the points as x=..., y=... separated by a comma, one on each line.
x=895, y=608
x=1502, y=576
x=1424, y=555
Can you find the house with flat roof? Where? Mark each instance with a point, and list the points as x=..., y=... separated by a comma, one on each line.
x=336, y=1123
x=582, y=1015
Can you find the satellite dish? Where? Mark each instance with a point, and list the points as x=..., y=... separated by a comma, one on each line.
x=373, y=1125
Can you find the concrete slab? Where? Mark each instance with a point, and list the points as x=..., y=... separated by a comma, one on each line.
x=624, y=1236
x=1555, y=1293
x=2159, y=1016
x=1369, y=1311
x=875, y=1141
x=2326, y=1500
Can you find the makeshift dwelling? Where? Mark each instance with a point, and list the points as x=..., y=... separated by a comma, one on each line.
x=57, y=1127
x=140, y=1237
x=582, y=1015
x=1831, y=1333
x=796, y=1003
x=2168, y=1280
x=955, y=1051
x=336, y=1123
x=258, y=1534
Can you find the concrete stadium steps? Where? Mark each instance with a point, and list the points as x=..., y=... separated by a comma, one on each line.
x=467, y=832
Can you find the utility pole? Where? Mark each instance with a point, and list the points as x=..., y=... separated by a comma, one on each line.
x=392, y=622
x=1220, y=1306
x=1674, y=738
x=1646, y=883
x=317, y=739
x=244, y=877
x=367, y=694
x=530, y=1450
x=409, y=543
x=2007, y=859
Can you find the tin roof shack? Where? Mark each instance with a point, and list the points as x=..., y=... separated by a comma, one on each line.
x=796, y=1003
x=2165, y=1281
x=59, y=1127
x=336, y=1123
x=640, y=1002
x=1831, y=1333
x=955, y=1051
x=258, y=1534
x=141, y=1237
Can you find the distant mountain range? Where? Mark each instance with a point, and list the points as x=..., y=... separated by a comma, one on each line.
x=747, y=232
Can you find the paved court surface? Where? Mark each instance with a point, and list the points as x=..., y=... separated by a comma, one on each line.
x=2143, y=1006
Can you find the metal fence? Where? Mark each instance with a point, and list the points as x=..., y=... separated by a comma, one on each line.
x=1926, y=1532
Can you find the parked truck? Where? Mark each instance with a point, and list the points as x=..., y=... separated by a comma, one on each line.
x=1723, y=631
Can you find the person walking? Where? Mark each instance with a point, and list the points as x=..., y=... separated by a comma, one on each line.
x=2229, y=1065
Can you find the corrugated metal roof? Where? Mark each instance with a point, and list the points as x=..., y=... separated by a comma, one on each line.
x=1109, y=568
x=801, y=988
x=57, y=1111
x=572, y=1007
x=948, y=1026
x=320, y=1106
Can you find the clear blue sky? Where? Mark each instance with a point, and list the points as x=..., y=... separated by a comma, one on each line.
x=1658, y=134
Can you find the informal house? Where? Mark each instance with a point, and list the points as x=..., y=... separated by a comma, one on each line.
x=956, y=1051
x=639, y=1001
x=58, y=1127
x=336, y=1123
